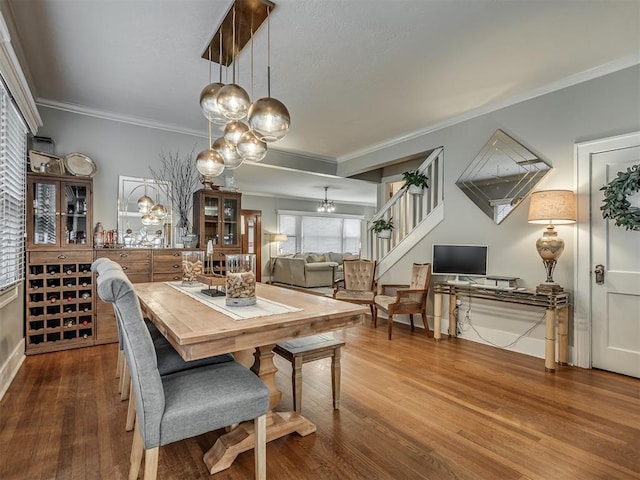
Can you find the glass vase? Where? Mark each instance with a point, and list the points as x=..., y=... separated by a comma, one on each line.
x=241, y=280
x=192, y=266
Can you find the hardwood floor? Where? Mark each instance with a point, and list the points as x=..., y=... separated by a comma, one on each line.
x=410, y=409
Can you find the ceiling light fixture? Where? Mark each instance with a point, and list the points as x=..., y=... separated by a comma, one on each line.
x=326, y=205
x=227, y=105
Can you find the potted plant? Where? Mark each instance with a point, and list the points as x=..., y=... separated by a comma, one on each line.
x=383, y=227
x=415, y=181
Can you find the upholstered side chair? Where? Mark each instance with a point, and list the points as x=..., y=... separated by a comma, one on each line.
x=394, y=299
x=184, y=404
x=169, y=361
x=358, y=284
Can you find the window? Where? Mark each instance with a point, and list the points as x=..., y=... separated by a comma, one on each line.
x=13, y=149
x=308, y=232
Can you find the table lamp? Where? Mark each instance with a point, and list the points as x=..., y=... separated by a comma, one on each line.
x=551, y=207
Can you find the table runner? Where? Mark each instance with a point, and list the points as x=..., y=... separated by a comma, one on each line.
x=262, y=308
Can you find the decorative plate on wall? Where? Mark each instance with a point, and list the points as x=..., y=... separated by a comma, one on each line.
x=80, y=165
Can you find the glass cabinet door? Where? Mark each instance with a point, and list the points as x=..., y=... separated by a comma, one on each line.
x=230, y=221
x=211, y=219
x=45, y=213
x=76, y=229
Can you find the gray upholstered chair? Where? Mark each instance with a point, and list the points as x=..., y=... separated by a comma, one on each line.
x=405, y=299
x=183, y=404
x=169, y=361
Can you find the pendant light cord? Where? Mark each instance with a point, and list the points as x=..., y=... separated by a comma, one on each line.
x=268, y=51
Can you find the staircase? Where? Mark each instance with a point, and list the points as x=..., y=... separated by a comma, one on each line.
x=413, y=216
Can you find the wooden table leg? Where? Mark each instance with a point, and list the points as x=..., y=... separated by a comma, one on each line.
x=563, y=331
x=437, y=317
x=230, y=445
x=550, y=341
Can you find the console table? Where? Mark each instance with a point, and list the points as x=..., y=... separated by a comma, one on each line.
x=556, y=305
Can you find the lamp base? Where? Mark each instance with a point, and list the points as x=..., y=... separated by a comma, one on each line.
x=549, y=288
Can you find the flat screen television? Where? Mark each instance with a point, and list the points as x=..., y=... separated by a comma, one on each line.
x=460, y=261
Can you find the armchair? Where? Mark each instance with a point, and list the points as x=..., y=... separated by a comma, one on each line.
x=405, y=300
x=358, y=284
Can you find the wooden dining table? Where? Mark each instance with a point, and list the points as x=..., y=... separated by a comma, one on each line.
x=197, y=331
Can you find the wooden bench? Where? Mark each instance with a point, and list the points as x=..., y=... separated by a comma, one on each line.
x=302, y=350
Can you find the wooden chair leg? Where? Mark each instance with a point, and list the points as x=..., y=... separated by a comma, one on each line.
x=390, y=322
x=375, y=317
x=371, y=308
x=411, y=320
x=260, y=448
x=136, y=454
x=125, y=381
x=119, y=364
x=151, y=463
x=296, y=377
x=335, y=377
x=131, y=410
x=426, y=324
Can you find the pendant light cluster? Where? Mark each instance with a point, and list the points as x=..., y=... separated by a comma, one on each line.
x=326, y=205
x=248, y=127
x=152, y=212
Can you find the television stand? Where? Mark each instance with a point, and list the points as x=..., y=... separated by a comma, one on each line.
x=555, y=303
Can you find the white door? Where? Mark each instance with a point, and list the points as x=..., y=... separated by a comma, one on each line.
x=614, y=304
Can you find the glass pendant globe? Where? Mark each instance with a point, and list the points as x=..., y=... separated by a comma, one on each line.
x=251, y=148
x=147, y=219
x=269, y=119
x=234, y=130
x=233, y=101
x=144, y=204
x=159, y=211
x=209, y=163
x=209, y=103
x=228, y=152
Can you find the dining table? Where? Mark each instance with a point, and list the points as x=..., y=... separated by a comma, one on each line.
x=196, y=330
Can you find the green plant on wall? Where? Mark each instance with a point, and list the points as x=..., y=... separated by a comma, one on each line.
x=616, y=204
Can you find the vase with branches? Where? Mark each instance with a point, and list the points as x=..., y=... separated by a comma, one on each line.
x=183, y=178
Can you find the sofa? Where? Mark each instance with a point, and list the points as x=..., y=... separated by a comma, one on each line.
x=309, y=269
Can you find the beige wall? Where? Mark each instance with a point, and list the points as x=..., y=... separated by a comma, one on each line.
x=11, y=335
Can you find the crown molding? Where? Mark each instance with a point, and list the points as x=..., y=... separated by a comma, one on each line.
x=593, y=73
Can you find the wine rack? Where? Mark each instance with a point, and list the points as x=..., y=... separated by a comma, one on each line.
x=59, y=301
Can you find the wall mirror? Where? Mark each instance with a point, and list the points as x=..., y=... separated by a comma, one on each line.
x=501, y=176
x=149, y=222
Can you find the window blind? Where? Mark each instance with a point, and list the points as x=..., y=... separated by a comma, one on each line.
x=319, y=233
x=13, y=150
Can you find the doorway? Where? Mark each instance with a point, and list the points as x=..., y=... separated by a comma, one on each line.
x=607, y=320
x=252, y=237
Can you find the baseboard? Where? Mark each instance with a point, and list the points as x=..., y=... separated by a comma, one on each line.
x=488, y=336
x=10, y=368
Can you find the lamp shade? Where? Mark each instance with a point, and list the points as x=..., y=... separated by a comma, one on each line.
x=552, y=206
x=279, y=237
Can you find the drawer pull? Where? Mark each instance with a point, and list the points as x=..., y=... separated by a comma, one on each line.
x=124, y=255
x=176, y=254
x=124, y=268
x=177, y=266
x=61, y=257
x=176, y=278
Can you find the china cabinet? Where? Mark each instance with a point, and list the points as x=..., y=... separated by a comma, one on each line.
x=216, y=217
x=58, y=212
x=60, y=285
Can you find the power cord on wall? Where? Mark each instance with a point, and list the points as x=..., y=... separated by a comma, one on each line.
x=461, y=326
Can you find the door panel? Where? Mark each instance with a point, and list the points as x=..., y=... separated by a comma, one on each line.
x=615, y=304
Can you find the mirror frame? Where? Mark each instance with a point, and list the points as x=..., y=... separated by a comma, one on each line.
x=501, y=176
x=129, y=190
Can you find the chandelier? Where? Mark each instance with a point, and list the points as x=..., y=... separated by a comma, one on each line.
x=247, y=126
x=326, y=205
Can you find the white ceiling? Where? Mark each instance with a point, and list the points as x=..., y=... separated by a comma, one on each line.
x=354, y=74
